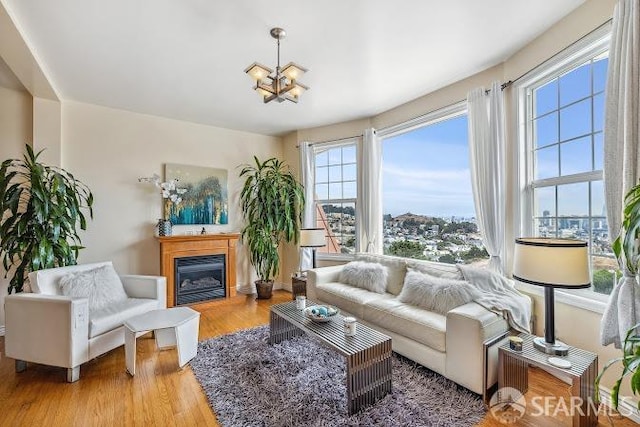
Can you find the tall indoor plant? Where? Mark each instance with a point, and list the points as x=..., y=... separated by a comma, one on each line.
x=40, y=211
x=630, y=361
x=625, y=246
x=272, y=202
x=627, y=252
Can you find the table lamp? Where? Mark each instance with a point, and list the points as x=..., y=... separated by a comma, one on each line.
x=551, y=263
x=312, y=238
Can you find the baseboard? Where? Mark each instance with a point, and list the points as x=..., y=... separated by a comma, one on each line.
x=626, y=407
x=1, y=331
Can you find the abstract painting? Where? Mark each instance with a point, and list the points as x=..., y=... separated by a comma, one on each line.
x=205, y=201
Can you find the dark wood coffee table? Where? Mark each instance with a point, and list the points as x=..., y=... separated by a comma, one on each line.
x=368, y=353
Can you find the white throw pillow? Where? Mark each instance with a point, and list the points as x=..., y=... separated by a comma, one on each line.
x=438, y=269
x=396, y=269
x=101, y=286
x=436, y=294
x=365, y=275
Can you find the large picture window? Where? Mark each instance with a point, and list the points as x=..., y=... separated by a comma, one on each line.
x=336, y=195
x=563, y=157
x=427, y=196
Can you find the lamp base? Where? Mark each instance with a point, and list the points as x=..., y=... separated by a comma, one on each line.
x=558, y=348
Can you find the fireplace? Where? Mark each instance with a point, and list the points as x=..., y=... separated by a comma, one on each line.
x=199, y=278
x=173, y=248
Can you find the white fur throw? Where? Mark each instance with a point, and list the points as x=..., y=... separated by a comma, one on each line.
x=101, y=286
x=365, y=275
x=436, y=294
x=497, y=294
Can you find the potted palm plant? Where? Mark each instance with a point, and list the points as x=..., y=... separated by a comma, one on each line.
x=625, y=244
x=272, y=202
x=41, y=208
x=630, y=361
x=627, y=252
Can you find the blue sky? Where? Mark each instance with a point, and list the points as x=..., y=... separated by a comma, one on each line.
x=426, y=171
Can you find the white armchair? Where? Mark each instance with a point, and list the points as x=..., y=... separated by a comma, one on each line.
x=49, y=328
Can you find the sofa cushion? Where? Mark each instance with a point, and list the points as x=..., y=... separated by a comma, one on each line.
x=365, y=275
x=436, y=294
x=46, y=281
x=396, y=266
x=101, y=286
x=438, y=269
x=345, y=297
x=114, y=315
x=423, y=326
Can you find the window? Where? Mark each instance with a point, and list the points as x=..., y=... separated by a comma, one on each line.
x=427, y=196
x=563, y=106
x=336, y=194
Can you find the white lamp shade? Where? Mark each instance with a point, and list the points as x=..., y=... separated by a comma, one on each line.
x=297, y=90
x=312, y=238
x=263, y=90
x=258, y=71
x=557, y=263
x=293, y=71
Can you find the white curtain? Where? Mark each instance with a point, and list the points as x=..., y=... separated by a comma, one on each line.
x=307, y=160
x=369, y=206
x=621, y=154
x=487, y=161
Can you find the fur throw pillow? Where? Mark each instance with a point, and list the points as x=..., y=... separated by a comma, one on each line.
x=366, y=275
x=436, y=294
x=101, y=286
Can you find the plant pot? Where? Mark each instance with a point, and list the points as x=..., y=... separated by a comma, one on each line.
x=264, y=288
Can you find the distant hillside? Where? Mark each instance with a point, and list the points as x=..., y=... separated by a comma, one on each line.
x=412, y=218
x=348, y=210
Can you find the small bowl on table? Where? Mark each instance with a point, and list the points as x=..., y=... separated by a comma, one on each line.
x=320, y=313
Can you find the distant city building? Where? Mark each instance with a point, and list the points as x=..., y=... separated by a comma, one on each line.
x=455, y=237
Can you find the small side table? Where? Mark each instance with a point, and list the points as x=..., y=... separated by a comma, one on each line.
x=172, y=327
x=512, y=372
x=298, y=286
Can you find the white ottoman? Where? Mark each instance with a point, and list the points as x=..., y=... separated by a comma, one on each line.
x=172, y=327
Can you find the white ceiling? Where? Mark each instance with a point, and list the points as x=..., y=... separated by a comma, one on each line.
x=184, y=59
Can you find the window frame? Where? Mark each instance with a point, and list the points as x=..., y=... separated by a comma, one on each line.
x=432, y=118
x=594, y=44
x=325, y=146
x=449, y=112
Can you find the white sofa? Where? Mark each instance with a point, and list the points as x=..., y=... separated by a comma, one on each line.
x=454, y=345
x=48, y=328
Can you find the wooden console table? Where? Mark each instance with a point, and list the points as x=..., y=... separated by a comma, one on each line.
x=172, y=247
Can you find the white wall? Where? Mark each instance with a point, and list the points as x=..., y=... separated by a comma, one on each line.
x=15, y=132
x=110, y=149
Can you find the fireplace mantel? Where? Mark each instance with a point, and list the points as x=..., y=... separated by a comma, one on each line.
x=172, y=247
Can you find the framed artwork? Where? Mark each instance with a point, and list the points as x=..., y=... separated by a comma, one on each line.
x=205, y=201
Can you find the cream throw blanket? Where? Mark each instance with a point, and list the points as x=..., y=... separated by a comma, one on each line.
x=497, y=294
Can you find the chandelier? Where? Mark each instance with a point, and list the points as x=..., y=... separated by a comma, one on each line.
x=281, y=85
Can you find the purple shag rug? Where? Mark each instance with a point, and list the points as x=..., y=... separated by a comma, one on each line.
x=299, y=382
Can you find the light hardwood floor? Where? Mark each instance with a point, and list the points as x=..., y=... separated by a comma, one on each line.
x=160, y=394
